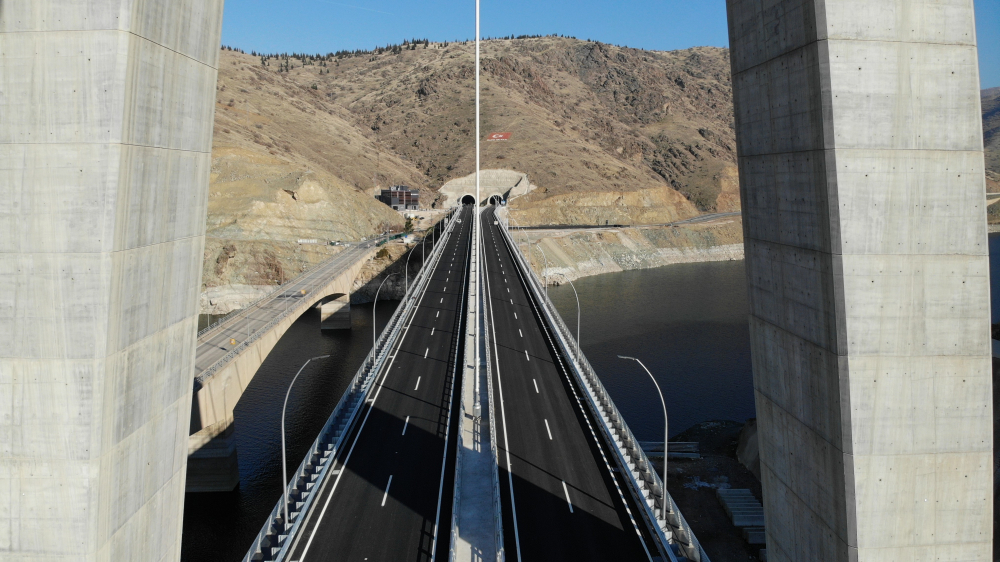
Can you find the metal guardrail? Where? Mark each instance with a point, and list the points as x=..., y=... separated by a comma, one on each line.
x=495, y=471
x=276, y=536
x=644, y=482
x=497, y=513
x=457, y=499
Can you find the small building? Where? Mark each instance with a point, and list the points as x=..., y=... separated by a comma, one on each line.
x=400, y=197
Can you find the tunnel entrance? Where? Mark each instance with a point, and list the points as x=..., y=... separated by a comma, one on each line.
x=468, y=200
x=495, y=200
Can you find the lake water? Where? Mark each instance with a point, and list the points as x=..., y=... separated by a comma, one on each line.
x=687, y=323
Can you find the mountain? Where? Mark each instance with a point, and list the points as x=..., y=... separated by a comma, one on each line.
x=606, y=133
x=593, y=125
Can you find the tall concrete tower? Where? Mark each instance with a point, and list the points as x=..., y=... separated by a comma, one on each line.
x=106, y=113
x=861, y=170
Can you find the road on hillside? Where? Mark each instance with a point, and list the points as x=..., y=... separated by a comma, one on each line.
x=388, y=495
x=560, y=498
x=692, y=220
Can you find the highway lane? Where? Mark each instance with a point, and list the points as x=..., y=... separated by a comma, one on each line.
x=389, y=494
x=560, y=498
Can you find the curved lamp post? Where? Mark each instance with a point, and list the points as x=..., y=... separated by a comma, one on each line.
x=406, y=272
x=577, y=295
x=284, y=464
x=665, y=433
x=374, y=304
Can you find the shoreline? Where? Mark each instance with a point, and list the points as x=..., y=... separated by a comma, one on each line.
x=570, y=254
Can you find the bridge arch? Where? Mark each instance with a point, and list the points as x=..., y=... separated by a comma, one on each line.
x=212, y=456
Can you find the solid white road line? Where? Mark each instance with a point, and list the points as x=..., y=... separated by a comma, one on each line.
x=566, y=491
x=526, y=355
x=536, y=386
x=426, y=352
x=406, y=423
x=418, y=384
x=386, y=494
x=547, y=430
x=503, y=410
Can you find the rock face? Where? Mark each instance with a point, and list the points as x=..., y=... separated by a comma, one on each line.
x=571, y=254
x=286, y=166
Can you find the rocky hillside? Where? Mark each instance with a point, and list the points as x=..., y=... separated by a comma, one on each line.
x=607, y=133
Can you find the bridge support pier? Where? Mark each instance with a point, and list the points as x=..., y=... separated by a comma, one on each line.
x=336, y=314
x=861, y=174
x=105, y=154
x=212, y=464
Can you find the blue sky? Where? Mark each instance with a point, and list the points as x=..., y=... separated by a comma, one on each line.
x=321, y=26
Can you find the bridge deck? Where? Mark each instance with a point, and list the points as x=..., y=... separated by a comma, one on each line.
x=215, y=344
x=390, y=490
x=561, y=499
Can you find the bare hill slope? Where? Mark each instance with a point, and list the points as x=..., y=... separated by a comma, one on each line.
x=607, y=133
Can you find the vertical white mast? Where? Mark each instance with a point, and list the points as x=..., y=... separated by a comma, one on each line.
x=478, y=136
x=476, y=226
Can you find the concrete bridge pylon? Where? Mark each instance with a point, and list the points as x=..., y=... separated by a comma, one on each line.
x=105, y=154
x=860, y=149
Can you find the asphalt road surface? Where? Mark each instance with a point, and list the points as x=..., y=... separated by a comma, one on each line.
x=388, y=496
x=559, y=495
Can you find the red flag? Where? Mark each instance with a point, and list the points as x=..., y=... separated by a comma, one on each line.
x=498, y=137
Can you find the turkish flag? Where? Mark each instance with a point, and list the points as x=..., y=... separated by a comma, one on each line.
x=498, y=137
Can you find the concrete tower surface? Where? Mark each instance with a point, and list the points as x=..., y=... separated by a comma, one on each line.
x=861, y=175
x=106, y=113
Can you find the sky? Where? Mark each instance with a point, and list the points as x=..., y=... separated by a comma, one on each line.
x=322, y=26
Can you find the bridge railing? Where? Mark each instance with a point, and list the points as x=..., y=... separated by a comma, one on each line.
x=644, y=482
x=276, y=536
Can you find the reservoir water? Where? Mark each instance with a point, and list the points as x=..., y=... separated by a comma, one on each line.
x=687, y=323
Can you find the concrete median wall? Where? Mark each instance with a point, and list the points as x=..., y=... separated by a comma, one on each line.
x=105, y=139
x=861, y=174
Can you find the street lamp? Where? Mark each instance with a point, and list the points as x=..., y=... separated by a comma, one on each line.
x=577, y=295
x=666, y=433
x=374, y=304
x=406, y=272
x=284, y=464
x=545, y=272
